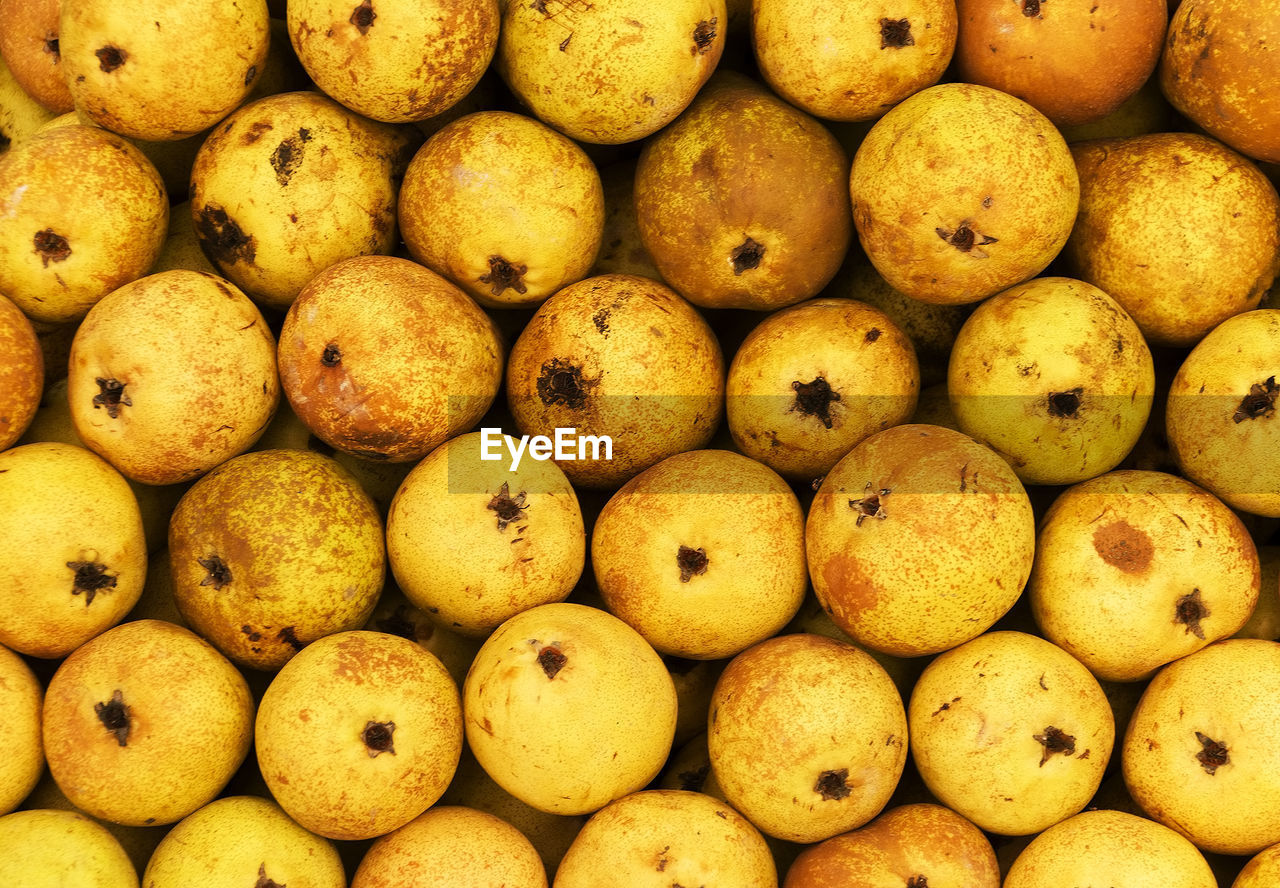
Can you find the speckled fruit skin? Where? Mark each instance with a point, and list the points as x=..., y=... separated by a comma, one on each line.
x=22, y=700
x=852, y=62
x=702, y=554
x=455, y=846
x=812, y=381
x=807, y=736
x=237, y=839
x=950, y=555
x=189, y=724
x=164, y=72
x=927, y=842
x=567, y=708
x=386, y=360
x=504, y=206
x=962, y=191
x=49, y=849
x=659, y=838
x=473, y=543
x=1261, y=871
x=1110, y=847
x=29, y=46
x=398, y=61
x=273, y=550
x=1225, y=693
x=21, y=373
x=609, y=73
x=1055, y=377
x=1076, y=61
x=1135, y=569
x=312, y=723
x=621, y=356
x=1221, y=67
x=742, y=202
x=976, y=715
x=85, y=212
x=1221, y=418
x=61, y=505
x=291, y=184
x=186, y=364
x=1140, y=199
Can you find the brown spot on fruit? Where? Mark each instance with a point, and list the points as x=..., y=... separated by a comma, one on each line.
x=377, y=737
x=552, y=660
x=331, y=356
x=1189, y=611
x=219, y=574
x=1123, y=546
x=814, y=399
x=115, y=717
x=561, y=383
x=1212, y=755
x=222, y=238
x=1259, y=403
x=692, y=562
x=51, y=46
x=504, y=275
x=250, y=634
x=746, y=255
x=51, y=247
x=872, y=335
x=833, y=785
x=250, y=74
x=289, y=636
x=870, y=506
x=287, y=157
x=111, y=396
x=362, y=17
x=895, y=33
x=1065, y=405
x=1055, y=740
x=110, y=58
x=255, y=132
x=509, y=508
x=91, y=577
x=263, y=881
x=917, y=881
x=704, y=35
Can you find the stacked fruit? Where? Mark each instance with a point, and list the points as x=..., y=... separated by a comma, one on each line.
x=462, y=443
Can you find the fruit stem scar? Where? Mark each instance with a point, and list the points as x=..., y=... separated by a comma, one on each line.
x=362, y=17
x=1055, y=740
x=1212, y=755
x=746, y=255
x=51, y=246
x=561, y=383
x=552, y=660
x=966, y=240
x=91, y=578
x=1259, y=403
x=115, y=717
x=110, y=58
x=1065, y=404
x=377, y=736
x=814, y=399
x=263, y=881
x=219, y=574
x=870, y=506
x=895, y=33
x=504, y=275
x=111, y=396
x=331, y=356
x=917, y=881
x=1031, y=8
x=833, y=785
x=692, y=562
x=1189, y=611
x=509, y=508
x=704, y=35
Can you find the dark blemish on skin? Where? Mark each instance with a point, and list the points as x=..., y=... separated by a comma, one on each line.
x=362, y=17
x=250, y=634
x=564, y=44
x=945, y=706
x=290, y=637
x=331, y=356
x=222, y=238
x=51, y=47
x=1064, y=405
x=561, y=383
x=895, y=33
x=814, y=399
x=287, y=157
x=1189, y=611
x=1031, y=8
x=51, y=247
x=704, y=35
x=966, y=240
x=110, y=58
x=692, y=562
x=870, y=506
x=833, y=785
x=1055, y=740
x=552, y=660
x=503, y=275
x=250, y=74
x=746, y=255
x=1259, y=403
x=115, y=717
x=219, y=574
x=263, y=881
x=509, y=508
x=377, y=737
x=872, y=335
x=1212, y=755
x=91, y=577
x=917, y=881
x=111, y=396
